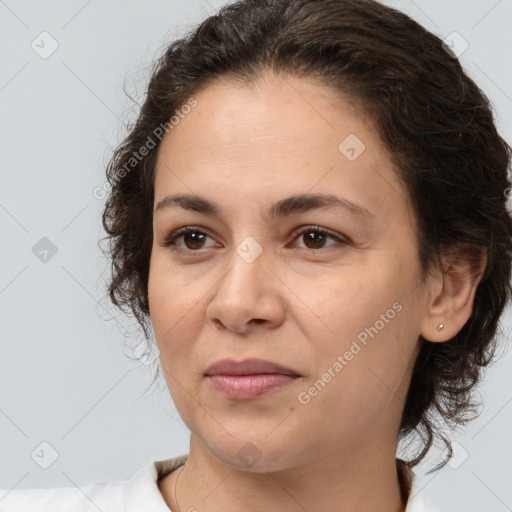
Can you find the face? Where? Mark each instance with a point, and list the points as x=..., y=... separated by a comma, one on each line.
x=330, y=291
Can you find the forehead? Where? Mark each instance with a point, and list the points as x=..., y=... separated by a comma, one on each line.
x=282, y=134
x=286, y=109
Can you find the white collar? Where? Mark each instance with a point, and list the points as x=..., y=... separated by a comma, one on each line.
x=141, y=491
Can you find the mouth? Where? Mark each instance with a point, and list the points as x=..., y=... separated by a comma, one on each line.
x=249, y=379
x=248, y=367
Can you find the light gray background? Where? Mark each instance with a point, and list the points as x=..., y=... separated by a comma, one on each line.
x=65, y=373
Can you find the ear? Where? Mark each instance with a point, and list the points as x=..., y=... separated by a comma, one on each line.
x=452, y=292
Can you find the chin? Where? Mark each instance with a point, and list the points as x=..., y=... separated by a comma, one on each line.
x=251, y=453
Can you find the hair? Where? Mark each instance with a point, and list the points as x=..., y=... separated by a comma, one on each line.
x=434, y=122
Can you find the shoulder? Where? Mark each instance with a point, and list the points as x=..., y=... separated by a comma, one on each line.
x=140, y=492
x=105, y=495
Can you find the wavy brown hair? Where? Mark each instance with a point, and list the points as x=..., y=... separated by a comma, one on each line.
x=434, y=122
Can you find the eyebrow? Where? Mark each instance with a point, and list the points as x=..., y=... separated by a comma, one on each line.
x=291, y=205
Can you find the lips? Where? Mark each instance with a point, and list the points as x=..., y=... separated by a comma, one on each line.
x=251, y=379
x=248, y=367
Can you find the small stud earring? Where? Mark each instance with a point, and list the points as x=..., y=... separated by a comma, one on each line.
x=440, y=326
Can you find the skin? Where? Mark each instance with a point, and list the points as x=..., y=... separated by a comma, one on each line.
x=297, y=304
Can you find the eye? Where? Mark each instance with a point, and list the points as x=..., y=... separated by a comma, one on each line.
x=316, y=237
x=192, y=237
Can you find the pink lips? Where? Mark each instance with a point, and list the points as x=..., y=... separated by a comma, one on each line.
x=248, y=379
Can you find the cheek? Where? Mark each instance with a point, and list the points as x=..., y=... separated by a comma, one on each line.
x=368, y=334
x=357, y=385
x=347, y=301
x=177, y=312
x=169, y=295
x=175, y=336
x=167, y=313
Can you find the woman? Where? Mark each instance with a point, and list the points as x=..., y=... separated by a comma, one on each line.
x=310, y=213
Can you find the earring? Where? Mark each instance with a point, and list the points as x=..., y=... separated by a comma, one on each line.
x=440, y=326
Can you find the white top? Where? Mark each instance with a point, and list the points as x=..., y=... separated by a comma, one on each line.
x=137, y=494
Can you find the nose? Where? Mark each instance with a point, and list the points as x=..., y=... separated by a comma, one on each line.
x=247, y=295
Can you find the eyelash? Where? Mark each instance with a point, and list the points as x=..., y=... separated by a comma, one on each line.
x=169, y=241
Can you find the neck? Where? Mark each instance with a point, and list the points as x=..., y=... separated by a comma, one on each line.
x=331, y=483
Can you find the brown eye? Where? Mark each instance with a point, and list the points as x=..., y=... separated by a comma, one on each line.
x=314, y=238
x=192, y=238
